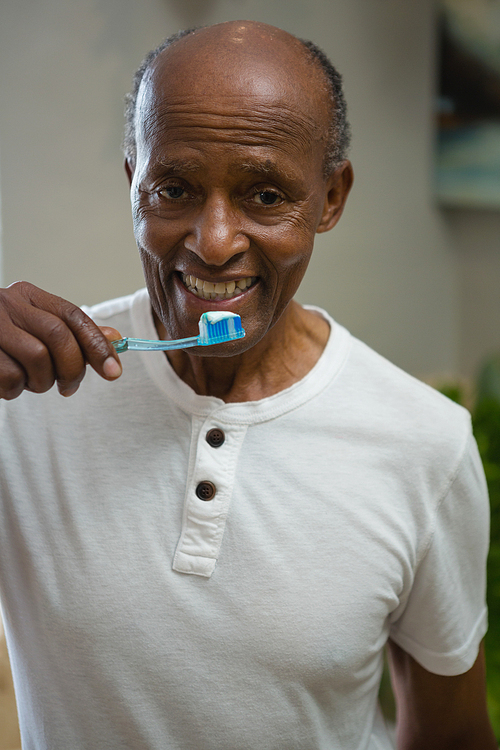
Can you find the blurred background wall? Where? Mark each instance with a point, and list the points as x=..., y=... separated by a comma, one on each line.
x=416, y=282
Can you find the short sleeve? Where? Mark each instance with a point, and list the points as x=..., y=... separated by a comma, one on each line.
x=445, y=617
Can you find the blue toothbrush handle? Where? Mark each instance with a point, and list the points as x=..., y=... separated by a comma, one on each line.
x=225, y=327
x=145, y=345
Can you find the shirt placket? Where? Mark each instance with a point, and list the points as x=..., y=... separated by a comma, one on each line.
x=213, y=459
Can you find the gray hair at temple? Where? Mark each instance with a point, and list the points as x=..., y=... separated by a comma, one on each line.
x=339, y=131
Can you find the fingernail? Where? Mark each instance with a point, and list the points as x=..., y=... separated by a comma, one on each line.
x=69, y=391
x=112, y=368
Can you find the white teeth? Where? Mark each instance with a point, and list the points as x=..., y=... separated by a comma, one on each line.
x=220, y=290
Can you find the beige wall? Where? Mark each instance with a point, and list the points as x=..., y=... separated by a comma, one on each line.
x=395, y=271
x=476, y=242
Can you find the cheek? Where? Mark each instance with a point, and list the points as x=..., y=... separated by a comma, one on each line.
x=155, y=237
x=293, y=250
x=157, y=292
x=289, y=281
x=294, y=236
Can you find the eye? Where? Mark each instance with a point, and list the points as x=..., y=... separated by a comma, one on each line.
x=173, y=192
x=267, y=198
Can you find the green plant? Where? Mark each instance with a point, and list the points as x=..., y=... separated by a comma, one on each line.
x=485, y=412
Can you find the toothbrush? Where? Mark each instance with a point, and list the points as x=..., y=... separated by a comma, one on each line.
x=215, y=328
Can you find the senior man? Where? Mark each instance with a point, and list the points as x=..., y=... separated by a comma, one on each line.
x=342, y=504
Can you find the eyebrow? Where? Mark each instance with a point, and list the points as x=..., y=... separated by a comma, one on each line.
x=257, y=166
x=267, y=168
x=177, y=166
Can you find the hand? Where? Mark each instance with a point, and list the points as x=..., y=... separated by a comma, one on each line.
x=45, y=339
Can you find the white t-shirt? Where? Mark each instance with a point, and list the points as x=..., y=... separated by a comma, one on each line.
x=348, y=508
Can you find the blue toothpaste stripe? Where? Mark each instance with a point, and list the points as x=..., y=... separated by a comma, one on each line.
x=226, y=329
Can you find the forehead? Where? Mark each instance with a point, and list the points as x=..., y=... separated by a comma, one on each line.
x=248, y=94
x=232, y=120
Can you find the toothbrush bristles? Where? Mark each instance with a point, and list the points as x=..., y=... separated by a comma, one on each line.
x=225, y=329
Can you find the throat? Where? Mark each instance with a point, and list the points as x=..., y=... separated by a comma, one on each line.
x=284, y=356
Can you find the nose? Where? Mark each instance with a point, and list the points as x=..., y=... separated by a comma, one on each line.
x=216, y=232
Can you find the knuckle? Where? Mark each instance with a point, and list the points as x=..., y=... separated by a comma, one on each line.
x=14, y=300
x=72, y=376
x=93, y=336
x=99, y=344
x=91, y=339
x=20, y=285
x=39, y=387
x=6, y=296
x=12, y=394
x=39, y=369
x=39, y=356
x=40, y=379
x=55, y=330
x=68, y=386
x=12, y=385
x=74, y=314
x=22, y=288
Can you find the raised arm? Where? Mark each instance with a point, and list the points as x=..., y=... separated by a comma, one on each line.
x=46, y=339
x=436, y=712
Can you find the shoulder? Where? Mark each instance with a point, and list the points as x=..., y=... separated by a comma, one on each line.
x=120, y=311
x=398, y=416
x=400, y=395
x=371, y=393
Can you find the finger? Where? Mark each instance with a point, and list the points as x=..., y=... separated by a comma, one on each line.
x=27, y=352
x=94, y=347
x=50, y=338
x=35, y=368
x=66, y=353
x=12, y=377
x=111, y=333
x=48, y=352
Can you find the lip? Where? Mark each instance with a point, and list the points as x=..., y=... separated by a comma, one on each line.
x=213, y=304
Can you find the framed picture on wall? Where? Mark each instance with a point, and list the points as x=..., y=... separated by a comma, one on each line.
x=468, y=104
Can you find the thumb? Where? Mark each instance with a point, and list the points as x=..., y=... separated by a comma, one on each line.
x=111, y=333
x=112, y=367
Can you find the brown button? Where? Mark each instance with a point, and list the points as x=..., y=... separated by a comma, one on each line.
x=215, y=437
x=206, y=490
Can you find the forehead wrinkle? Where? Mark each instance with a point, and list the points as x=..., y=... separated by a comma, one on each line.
x=268, y=121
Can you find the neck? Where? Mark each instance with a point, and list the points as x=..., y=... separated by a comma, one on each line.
x=283, y=357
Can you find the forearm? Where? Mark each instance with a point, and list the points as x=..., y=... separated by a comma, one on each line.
x=435, y=712
x=476, y=738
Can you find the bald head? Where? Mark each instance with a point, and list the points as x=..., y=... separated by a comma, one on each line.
x=261, y=61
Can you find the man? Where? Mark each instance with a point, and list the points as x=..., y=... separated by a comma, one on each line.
x=213, y=552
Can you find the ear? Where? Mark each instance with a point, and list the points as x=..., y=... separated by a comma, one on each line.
x=129, y=169
x=338, y=186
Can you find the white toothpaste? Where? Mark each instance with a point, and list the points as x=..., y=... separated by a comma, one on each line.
x=216, y=316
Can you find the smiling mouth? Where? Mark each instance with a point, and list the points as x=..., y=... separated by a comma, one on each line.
x=217, y=291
